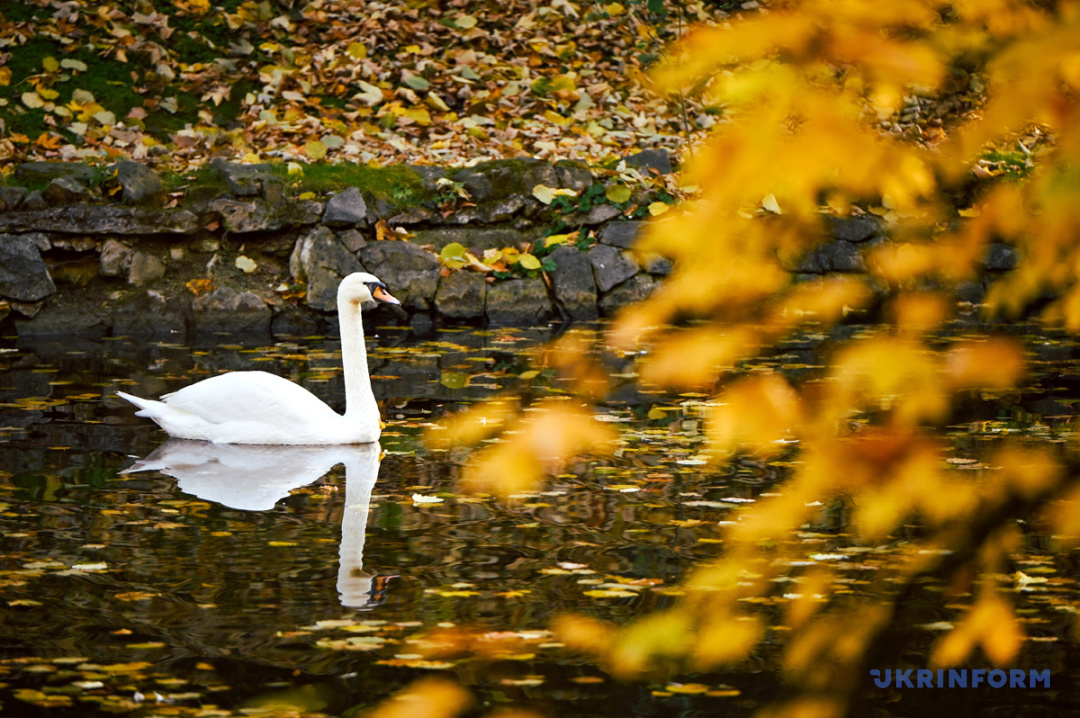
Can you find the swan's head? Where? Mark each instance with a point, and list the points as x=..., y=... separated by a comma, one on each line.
x=364, y=290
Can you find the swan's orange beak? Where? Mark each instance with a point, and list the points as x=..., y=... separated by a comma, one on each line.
x=381, y=295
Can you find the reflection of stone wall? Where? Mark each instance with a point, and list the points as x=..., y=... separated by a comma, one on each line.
x=70, y=262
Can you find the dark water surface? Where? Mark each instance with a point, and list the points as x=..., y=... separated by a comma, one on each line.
x=216, y=581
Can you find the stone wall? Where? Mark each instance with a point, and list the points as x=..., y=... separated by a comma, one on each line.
x=245, y=256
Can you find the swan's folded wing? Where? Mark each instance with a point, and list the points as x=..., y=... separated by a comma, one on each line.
x=250, y=396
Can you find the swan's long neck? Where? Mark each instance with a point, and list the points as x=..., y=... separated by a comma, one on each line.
x=359, y=399
x=361, y=472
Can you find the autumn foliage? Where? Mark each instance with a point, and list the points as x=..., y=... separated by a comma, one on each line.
x=900, y=111
x=173, y=83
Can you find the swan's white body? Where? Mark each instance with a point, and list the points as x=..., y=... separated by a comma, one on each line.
x=254, y=407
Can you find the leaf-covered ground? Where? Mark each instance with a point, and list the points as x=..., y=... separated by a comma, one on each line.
x=344, y=80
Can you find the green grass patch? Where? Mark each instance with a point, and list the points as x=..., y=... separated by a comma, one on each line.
x=395, y=183
x=1015, y=164
x=112, y=83
x=23, y=12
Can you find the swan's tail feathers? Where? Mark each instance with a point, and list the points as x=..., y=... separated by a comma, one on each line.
x=141, y=465
x=143, y=404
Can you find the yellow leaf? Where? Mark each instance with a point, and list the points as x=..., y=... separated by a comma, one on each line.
x=554, y=239
x=617, y=193
x=51, y=64
x=435, y=102
x=5, y=76
x=547, y=194
x=246, y=264
x=769, y=203
x=357, y=50
x=542, y=192
x=529, y=261
x=199, y=286
x=465, y=22
x=32, y=100
x=453, y=256
x=419, y=115
x=307, y=195
x=369, y=94
x=555, y=118
x=315, y=149
x=658, y=208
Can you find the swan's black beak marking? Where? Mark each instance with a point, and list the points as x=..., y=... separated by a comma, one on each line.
x=379, y=293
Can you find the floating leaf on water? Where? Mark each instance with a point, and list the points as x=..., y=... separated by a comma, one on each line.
x=527, y=682
x=88, y=685
x=418, y=663
x=352, y=643
x=686, y=688
x=603, y=593
x=126, y=668
x=421, y=499
x=136, y=596
x=937, y=626
x=453, y=379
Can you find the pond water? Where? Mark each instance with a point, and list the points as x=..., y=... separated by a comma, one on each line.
x=142, y=576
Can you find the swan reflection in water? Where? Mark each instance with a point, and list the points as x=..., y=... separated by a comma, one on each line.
x=255, y=477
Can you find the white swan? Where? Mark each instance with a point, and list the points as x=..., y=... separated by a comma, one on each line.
x=254, y=407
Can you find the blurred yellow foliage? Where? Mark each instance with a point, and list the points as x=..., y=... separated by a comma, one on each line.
x=550, y=434
x=990, y=624
x=757, y=412
x=427, y=698
x=810, y=97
